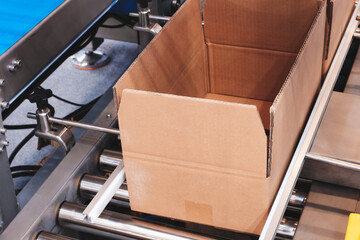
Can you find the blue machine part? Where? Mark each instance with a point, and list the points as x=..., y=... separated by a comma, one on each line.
x=124, y=7
x=18, y=17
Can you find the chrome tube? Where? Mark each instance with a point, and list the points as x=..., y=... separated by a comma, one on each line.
x=298, y=198
x=109, y=160
x=117, y=225
x=287, y=228
x=90, y=185
x=52, y=236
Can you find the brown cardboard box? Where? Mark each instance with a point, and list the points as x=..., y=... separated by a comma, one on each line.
x=194, y=106
x=338, y=15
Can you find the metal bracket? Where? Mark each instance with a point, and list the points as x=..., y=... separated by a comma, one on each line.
x=50, y=128
x=147, y=29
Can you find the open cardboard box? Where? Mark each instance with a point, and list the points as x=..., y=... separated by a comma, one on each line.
x=194, y=107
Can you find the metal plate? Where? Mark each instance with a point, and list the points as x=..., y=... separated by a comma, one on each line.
x=45, y=42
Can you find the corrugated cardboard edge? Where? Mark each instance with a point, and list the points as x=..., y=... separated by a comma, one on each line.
x=339, y=13
x=287, y=82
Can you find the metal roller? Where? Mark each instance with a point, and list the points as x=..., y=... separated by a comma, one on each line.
x=52, y=236
x=90, y=185
x=298, y=198
x=109, y=160
x=117, y=225
x=287, y=228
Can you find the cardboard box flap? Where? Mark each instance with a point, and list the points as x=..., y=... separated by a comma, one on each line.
x=291, y=106
x=174, y=61
x=275, y=25
x=191, y=132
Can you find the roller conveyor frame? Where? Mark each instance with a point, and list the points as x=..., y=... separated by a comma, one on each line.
x=62, y=185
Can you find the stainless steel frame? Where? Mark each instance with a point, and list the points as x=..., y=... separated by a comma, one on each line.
x=296, y=164
x=62, y=185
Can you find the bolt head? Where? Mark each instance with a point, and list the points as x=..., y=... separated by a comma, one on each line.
x=5, y=105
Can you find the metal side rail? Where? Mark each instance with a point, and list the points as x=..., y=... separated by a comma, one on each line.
x=296, y=164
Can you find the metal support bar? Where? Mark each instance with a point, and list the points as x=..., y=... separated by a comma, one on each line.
x=116, y=225
x=106, y=193
x=292, y=174
x=78, y=124
x=334, y=161
x=152, y=17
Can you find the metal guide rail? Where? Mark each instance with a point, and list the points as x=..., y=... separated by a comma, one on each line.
x=302, y=151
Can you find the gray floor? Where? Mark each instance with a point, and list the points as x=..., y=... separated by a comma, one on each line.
x=73, y=84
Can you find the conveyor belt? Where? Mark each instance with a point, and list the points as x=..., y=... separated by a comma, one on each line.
x=18, y=17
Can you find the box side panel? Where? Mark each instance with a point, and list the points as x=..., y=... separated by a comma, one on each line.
x=167, y=58
x=248, y=72
x=292, y=105
x=262, y=106
x=277, y=25
x=201, y=133
x=212, y=198
x=191, y=81
x=341, y=12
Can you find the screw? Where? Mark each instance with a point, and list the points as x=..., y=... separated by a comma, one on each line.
x=15, y=64
x=108, y=115
x=2, y=130
x=2, y=82
x=5, y=143
x=4, y=105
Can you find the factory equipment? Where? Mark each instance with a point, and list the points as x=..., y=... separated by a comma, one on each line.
x=70, y=203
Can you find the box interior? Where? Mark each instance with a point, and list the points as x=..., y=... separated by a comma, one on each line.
x=246, y=63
